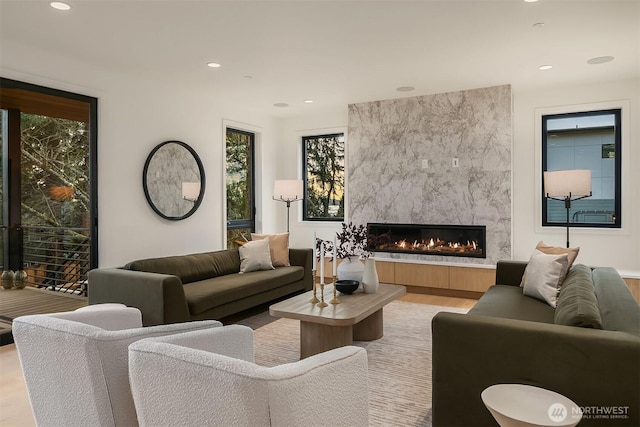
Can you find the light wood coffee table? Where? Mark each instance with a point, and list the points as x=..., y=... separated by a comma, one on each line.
x=358, y=317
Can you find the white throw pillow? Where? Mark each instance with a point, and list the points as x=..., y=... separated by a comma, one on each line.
x=545, y=274
x=254, y=256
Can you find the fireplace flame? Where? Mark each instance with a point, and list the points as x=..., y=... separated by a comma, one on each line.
x=465, y=241
x=434, y=245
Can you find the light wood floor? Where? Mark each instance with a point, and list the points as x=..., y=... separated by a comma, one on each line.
x=15, y=410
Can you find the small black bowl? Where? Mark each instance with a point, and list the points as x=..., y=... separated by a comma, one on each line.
x=347, y=287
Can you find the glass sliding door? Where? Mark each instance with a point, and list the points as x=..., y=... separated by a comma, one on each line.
x=55, y=201
x=49, y=186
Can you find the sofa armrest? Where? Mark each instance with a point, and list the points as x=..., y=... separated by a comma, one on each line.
x=303, y=258
x=592, y=367
x=159, y=297
x=510, y=272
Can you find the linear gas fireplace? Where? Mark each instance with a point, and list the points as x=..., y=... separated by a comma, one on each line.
x=427, y=239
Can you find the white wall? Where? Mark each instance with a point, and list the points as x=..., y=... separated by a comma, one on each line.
x=289, y=166
x=137, y=114
x=603, y=247
x=134, y=115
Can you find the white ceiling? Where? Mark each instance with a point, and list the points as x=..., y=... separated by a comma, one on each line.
x=336, y=52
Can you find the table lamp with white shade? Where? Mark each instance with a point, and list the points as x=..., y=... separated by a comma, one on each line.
x=567, y=186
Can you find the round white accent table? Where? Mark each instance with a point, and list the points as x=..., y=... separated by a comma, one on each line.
x=519, y=405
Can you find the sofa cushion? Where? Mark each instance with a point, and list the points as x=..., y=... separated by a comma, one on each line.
x=207, y=294
x=191, y=268
x=188, y=268
x=544, y=276
x=225, y=262
x=509, y=302
x=577, y=304
x=618, y=308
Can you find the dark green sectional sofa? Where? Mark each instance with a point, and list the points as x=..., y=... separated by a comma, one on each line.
x=508, y=337
x=197, y=286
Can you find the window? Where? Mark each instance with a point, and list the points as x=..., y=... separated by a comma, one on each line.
x=588, y=140
x=323, y=177
x=240, y=186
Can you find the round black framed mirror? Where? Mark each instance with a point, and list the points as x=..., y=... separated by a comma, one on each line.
x=173, y=180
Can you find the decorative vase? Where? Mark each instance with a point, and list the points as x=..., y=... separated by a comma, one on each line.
x=20, y=279
x=351, y=269
x=370, y=277
x=7, y=279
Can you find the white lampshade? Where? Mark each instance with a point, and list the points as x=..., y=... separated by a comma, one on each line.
x=288, y=190
x=576, y=182
x=190, y=190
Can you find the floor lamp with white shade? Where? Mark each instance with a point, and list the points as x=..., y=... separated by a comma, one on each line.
x=567, y=186
x=288, y=190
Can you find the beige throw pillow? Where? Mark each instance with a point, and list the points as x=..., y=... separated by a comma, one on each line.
x=544, y=276
x=255, y=256
x=279, y=247
x=572, y=254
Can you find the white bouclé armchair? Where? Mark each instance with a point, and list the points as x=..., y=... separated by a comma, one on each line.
x=75, y=363
x=210, y=378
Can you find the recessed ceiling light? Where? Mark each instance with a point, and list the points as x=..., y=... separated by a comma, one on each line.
x=308, y=101
x=280, y=104
x=545, y=67
x=600, y=60
x=530, y=1
x=405, y=88
x=59, y=5
x=538, y=25
x=213, y=65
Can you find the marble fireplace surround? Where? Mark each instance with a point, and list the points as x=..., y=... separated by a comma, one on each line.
x=400, y=165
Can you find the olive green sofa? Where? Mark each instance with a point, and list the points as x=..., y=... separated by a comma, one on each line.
x=197, y=286
x=508, y=337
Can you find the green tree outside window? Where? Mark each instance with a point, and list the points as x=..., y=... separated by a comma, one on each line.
x=324, y=177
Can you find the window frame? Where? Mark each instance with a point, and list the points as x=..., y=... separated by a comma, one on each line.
x=251, y=222
x=305, y=172
x=618, y=113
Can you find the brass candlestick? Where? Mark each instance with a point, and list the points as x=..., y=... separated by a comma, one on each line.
x=335, y=295
x=315, y=299
x=322, y=304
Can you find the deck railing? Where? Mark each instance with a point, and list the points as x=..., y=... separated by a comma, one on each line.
x=57, y=258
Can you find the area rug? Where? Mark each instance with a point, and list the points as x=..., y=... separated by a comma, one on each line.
x=399, y=362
